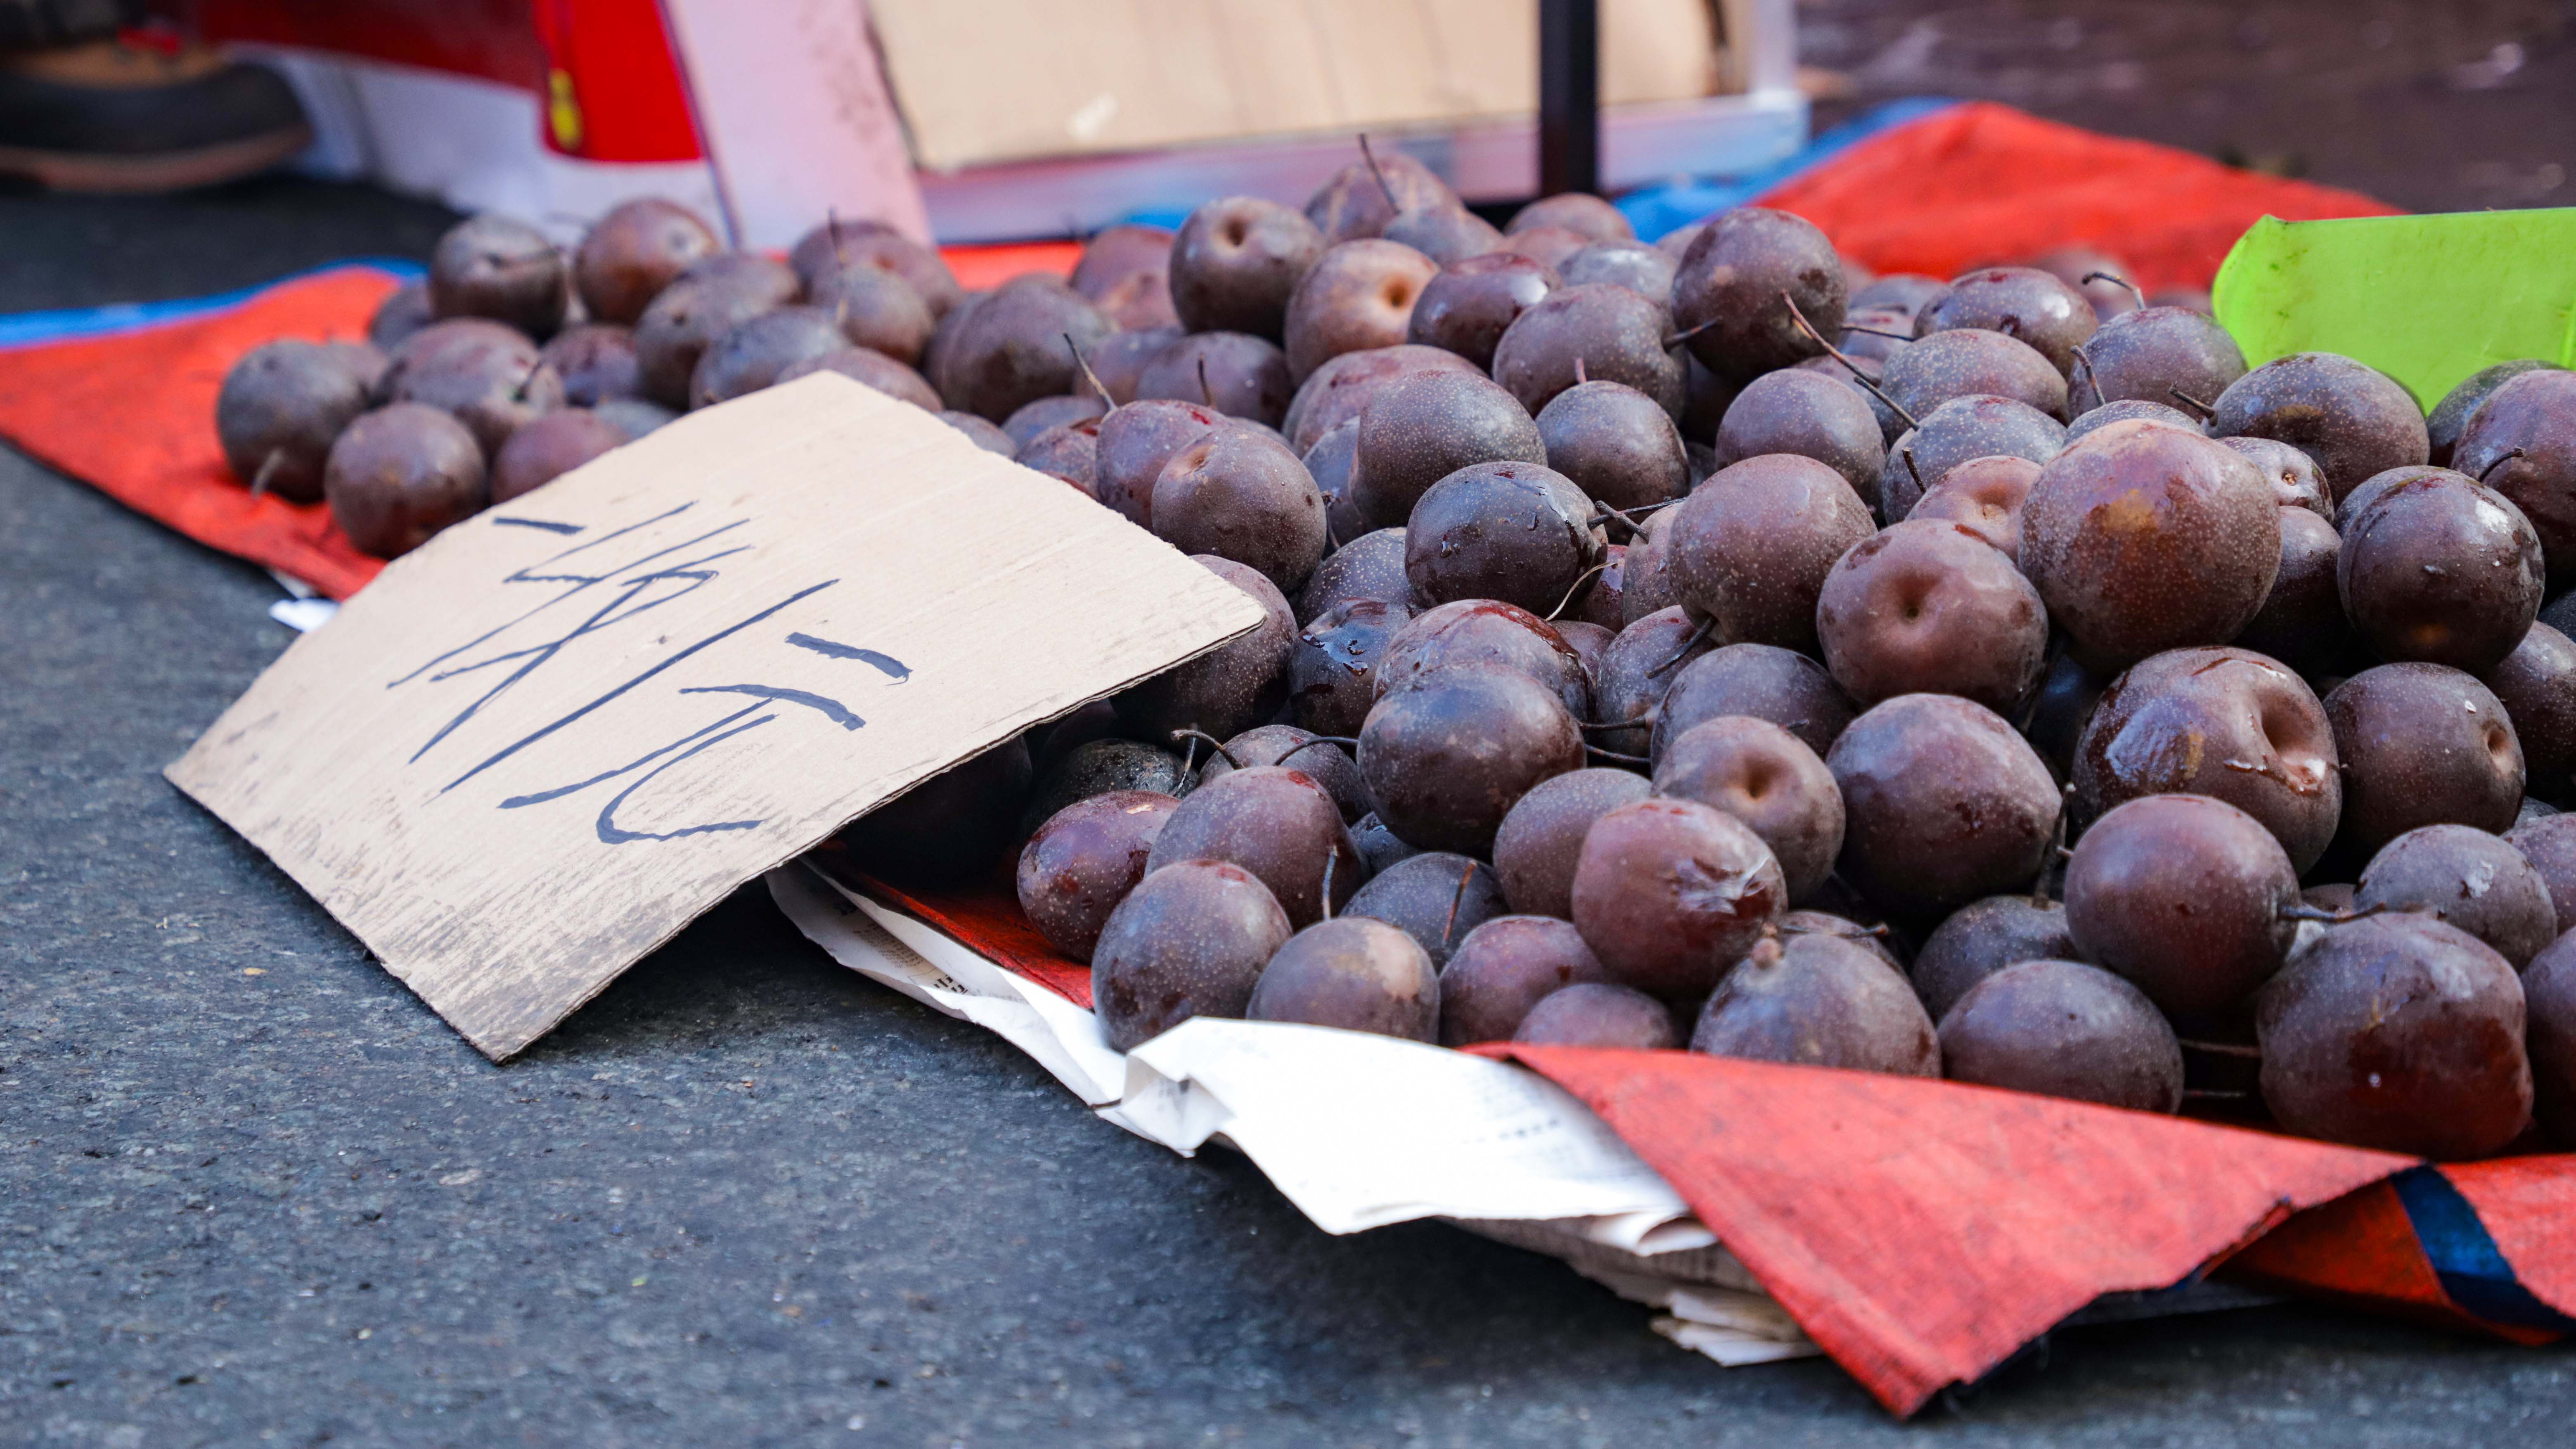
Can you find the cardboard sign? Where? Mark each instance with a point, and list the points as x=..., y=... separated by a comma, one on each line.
x=537, y=747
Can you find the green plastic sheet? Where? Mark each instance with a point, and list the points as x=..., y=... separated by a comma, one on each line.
x=2426, y=299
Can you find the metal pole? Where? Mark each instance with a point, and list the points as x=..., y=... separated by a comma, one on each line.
x=1569, y=96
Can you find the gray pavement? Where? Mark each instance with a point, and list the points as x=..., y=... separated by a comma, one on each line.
x=252, y=1192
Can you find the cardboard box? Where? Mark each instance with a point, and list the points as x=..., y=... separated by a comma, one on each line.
x=981, y=81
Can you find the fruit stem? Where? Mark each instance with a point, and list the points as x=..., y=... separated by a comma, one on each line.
x=2508, y=456
x=1194, y=736
x=1580, y=377
x=1310, y=744
x=1456, y=896
x=1850, y=366
x=1577, y=588
x=1877, y=332
x=2224, y=1049
x=1628, y=516
x=1331, y=856
x=1388, y=191
x=1089, y=376
x=2187, y=400
x=2119, y=281
x=520, y=393
x=2056, y=845
x=1615, y=755
x=1206, y=398
x=1689, y=644
x=1919, y=487
x=268, y=467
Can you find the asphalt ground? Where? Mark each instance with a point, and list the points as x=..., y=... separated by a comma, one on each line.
x=252, y=1192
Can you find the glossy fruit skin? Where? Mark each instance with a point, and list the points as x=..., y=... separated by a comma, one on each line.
x=1474, y=300
x=1983, y=937
x=1353, y=973
x=1819, y=1001
x=1343, y=387
x=2020, y=302
x=1354, y=201
x=1728, y=292
x=877, y=310
x=1750, y=548
x=1984, y=496
x=289, y=399
x=2183, y=895
x=2422, y=744
x=2150, y=354
x=2302, y=622
x=2353, y=420
x=1358, y=295
x=1634, y=674
x=1644, y=270
x=1331, y=462
x=853, y=244
x=1286, y=745
x=398, y=475
x=544, y=449
x=1503, y=968
x=1616, y=444
x=1814, y=416
x=1434, y=897
x=1332, y=670
x=1235, y=262
x=2296, y=481
x=1769, y=779
x=2549, y=1003
x=2064, y=1029
x=1540, y=841
x=634, y=251
x=2549, y=843
x=2450, y=417
x=1972, y=362
x=2400, y=1033
x=1599, y=1014
x=1075, y=771
x=1943, y=803
x=1370, y=566
x=1275, y=821
x=2227, y=723
x=2439, y=568
x=1241, y=494
x=1419, y=430
x=1083, y=861
x=1239, y=684
x=1617, y=336
x=750, y=355
x=1190, y=940
x=1762, y=680
x=1446, y=233
x=2143, y=538
x=1447, y=756
x=1520, y=533
x=2535, y=412
x=2130, y=411
x=1135, y=442
x=2465, y=878
x=873, y=369
x=1955, y=432
x=1473, y=632
x=596, y=362
x=684, y=319
x=1927, y=606
x=2536, y=684
x=492, y=266
x=1669, y=893
x=1011, y=348
x=1237, y=374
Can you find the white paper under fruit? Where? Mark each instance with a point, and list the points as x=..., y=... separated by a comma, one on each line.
x=1358, y=1131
